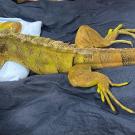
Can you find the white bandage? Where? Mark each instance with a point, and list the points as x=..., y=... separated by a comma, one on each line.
x=12, y=71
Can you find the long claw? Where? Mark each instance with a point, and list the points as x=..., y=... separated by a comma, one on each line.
x=109, y=102
x=98, y=90
x=102, y=97
x=126, y=32
x=110, y=31
x=101, y=94
x=118, y=84
x=130, y=30
x=118, y=27
x=122, y=41
x=119, y=104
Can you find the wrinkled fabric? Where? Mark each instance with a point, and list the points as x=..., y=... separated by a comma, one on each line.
x=48, y=104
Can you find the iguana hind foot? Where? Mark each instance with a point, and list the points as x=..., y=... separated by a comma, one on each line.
x=113, y=34
x=87, y=37
x=81, y=76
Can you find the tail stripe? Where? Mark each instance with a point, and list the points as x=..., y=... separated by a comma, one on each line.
x=128, y=58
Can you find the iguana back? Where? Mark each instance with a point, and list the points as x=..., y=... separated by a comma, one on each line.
x=44, y=55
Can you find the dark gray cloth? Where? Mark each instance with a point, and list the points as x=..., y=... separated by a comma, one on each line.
x=48, y=104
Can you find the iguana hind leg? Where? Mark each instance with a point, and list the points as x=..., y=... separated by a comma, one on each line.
x=87, y=37
x=81, y=76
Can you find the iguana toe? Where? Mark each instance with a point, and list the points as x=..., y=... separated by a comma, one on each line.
x=106, y=94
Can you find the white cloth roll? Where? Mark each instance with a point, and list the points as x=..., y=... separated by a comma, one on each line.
x=12, y=71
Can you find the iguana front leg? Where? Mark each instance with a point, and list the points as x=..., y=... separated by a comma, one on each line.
x=87, y=37
x=81, y=76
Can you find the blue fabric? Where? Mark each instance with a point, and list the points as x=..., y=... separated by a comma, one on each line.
x=48, y=104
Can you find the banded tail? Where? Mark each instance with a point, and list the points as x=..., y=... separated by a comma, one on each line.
x=100, y=58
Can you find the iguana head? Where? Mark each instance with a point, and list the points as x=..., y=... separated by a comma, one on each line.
x=13, y=26
x=5, y=28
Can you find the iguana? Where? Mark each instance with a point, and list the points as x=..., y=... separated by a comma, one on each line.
x=46, y=56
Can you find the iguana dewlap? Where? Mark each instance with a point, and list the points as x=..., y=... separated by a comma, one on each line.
x=47, y=56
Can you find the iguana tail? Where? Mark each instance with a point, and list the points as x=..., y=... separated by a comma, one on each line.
x=100, y=58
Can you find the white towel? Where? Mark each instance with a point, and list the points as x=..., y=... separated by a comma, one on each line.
x=12, y=71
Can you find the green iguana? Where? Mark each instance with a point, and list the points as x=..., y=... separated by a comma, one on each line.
x=47, y=56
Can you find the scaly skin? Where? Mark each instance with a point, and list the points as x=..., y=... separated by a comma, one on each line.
x=37, y=53
x=13, y=26
x=47, y=56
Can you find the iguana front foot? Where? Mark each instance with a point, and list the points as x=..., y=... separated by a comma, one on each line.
x=82, y=76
